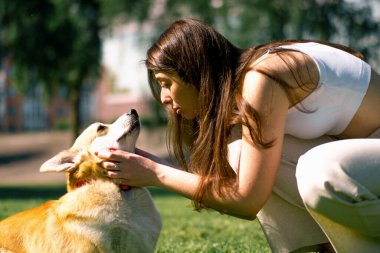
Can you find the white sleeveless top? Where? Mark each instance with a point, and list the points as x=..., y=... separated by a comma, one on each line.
x=343, y=82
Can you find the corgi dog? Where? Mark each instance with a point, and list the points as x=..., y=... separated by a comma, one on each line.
x=95, y=215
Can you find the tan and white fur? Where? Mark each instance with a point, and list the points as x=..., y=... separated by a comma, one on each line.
x=95, y=215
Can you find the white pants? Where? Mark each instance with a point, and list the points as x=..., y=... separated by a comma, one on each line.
x=326, y=190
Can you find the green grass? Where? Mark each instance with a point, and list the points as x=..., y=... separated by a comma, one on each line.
x=184, y=230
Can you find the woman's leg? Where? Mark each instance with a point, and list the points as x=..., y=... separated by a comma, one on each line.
x=285, y=221
x=339, y=183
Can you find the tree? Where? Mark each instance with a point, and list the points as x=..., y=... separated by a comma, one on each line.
x=251, y=22
x=52, y=43
x=350, y=23
x=56, y=43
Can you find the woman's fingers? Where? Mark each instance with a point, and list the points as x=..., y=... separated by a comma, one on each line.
x=103, y=154
x=115, y=163
x=113, y=155
x=112, y=159
x=117, y=176
x=118, y=179
x=113, y=174
x=111, y=165
x=132, y=168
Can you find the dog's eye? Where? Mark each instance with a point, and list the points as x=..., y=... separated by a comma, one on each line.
x=102, y=129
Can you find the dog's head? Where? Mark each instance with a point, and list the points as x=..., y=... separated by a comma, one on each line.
x=80, y=162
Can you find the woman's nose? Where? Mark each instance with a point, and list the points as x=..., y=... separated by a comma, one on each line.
x=165, y=96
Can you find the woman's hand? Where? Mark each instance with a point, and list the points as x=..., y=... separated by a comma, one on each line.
x=130, y=169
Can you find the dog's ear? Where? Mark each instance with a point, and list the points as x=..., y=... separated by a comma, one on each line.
x=64, y=161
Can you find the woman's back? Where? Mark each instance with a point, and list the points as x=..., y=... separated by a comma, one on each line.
x=367, y=118
x=334, y=100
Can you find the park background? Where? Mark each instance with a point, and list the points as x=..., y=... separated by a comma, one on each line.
x=65, y=64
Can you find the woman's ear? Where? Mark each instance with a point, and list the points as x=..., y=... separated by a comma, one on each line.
x=64, y=161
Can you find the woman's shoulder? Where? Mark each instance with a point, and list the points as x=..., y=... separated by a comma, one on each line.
x=295, y=71
x=260, y=91
x=284, y=61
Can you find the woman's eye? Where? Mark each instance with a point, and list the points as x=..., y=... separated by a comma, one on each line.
x=163, y=84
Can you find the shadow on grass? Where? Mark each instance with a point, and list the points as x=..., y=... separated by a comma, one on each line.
x=160, y=192
x=56, y=191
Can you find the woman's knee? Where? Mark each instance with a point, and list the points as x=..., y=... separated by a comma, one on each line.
x=346, y=172
x=315, y=173
x=340, y=181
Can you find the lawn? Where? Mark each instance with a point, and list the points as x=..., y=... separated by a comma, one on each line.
x=184, y=230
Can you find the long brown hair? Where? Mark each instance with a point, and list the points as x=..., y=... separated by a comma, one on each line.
x=202, y=57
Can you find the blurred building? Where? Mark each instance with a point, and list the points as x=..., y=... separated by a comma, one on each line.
x=111, y=104
x=19, y=112
x=123, y=84
x=31, y=111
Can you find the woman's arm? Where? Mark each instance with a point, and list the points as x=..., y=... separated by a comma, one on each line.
x=257, y=167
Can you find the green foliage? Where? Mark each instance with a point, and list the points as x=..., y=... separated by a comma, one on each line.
x=159, y=117
x=62, y=125
x=252, y=22
x=51, y=42
x=125, y=10
x=56, y=43
x=153, y=122
x=23, y=30
x=350, y=23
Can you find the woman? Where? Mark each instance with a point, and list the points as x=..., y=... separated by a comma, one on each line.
x=243, y=118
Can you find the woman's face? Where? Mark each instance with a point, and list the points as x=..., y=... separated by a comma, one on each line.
x=182, y=97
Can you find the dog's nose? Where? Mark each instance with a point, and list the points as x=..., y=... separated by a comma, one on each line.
x=133, y=112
